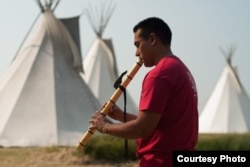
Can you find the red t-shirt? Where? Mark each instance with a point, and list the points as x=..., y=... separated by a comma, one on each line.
x=169, y=90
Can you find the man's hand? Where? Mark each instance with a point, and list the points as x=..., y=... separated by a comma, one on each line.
x=98, y=122
x=116, y=113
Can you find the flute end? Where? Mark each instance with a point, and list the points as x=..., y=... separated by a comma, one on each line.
x=139, y=62
x=80, y=146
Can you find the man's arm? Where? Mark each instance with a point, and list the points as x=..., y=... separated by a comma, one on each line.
x=141, y=127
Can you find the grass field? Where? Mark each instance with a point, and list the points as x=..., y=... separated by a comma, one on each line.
x=70, y=157
x=51, y=157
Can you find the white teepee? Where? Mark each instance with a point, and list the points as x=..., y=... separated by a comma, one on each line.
x=43, y=99
x=100, y=68
x=228, y=108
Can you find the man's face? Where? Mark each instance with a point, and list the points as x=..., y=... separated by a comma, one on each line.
x=143, y=49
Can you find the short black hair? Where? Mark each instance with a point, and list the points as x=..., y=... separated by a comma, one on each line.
x=157, y=26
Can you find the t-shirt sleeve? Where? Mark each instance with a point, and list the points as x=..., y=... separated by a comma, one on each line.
x=154, y=95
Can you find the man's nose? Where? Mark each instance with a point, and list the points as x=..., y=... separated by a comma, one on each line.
x=137, y=53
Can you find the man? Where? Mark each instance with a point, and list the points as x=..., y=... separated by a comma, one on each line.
x=168, y=117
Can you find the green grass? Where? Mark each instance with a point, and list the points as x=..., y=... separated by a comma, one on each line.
x=110, y=148
x=103, y=149
x=224, y=142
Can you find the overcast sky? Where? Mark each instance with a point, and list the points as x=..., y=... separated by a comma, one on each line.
x=200, y=28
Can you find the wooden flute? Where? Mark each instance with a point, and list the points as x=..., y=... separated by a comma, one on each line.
x=108, y=105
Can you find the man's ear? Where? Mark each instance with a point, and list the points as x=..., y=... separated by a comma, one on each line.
x=153, y=39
